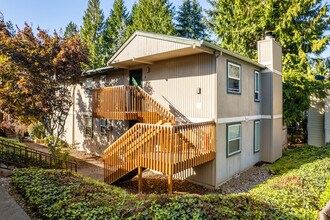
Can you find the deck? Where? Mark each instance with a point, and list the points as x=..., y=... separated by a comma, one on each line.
x=155, y=142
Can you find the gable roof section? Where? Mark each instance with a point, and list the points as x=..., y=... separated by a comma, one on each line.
x=146, y=47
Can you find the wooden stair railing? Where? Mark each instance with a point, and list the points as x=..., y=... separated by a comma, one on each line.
x=168, y=149
x=128, y=103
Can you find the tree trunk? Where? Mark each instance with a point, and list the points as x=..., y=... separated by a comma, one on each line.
x=325, y=212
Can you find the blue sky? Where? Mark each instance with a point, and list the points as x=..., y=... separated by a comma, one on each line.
x=56, y=14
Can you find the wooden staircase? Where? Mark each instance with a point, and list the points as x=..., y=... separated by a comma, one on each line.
x=162, y=146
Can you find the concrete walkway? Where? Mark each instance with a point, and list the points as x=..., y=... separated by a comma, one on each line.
x=9, y=209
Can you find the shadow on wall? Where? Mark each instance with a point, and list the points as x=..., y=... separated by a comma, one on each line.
x=98, y=141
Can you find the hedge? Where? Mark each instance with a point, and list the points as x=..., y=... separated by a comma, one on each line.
x=297, y=194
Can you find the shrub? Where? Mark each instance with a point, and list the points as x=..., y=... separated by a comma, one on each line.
x=36, y=130
x=299, y=193
x=295, y=157
x=61, y=149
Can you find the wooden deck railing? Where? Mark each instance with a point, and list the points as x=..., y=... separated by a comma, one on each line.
x=128, y=103
x=12, y=154
x=168, y=149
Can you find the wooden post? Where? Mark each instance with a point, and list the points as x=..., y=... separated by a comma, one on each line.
x=170, y=180
x=140, y=179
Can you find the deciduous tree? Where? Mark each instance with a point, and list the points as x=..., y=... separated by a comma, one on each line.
x=35, y=74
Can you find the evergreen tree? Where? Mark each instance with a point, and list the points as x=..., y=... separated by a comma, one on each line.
x=115, y=30
x=70, y=30
x=92, y=34
x=299, y=26
x=189, y=20
x=152, y=15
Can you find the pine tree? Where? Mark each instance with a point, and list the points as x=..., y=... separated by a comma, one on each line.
x=299, y=26
x=70, y=30
x=153, y=16
x=92, y=34
x=189, y=20
x=115, y=29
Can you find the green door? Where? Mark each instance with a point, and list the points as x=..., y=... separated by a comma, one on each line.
x=135, y=77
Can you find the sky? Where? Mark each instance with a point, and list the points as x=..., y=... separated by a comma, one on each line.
x=56, y=14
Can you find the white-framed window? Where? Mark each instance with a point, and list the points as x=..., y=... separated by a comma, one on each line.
x=89, y=87
x=233, y=77
x=256, y=86
x=234, y=137
x=103, y=126
x=88, y=126
x=256, y=138
x=103, y=81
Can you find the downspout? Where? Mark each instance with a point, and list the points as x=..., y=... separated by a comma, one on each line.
x=73, y=113
x=217, y=54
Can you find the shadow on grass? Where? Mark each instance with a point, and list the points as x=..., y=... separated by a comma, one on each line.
x=295, y=157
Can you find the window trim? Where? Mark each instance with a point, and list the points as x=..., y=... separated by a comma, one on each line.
x=89, y=88
x=240, y=77
x=254, y=135
x=256, y=73
x=103, y=81
x=85, y=127
x=105, y=126
x=227, y=139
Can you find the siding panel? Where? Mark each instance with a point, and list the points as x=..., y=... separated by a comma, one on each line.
x=178, y=81
x=316, y=123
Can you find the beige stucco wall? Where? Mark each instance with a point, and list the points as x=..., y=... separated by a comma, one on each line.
x=233, y=105
x=236, y=108
x=75, y=124
x=227, y=167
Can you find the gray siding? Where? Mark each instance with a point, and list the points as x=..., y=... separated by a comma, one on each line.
x=227, y=167
x=142, y=46
x=178, y=81
x=233, y=105
x=236, y=108
x=75, y=123
x=327, y=119
x=316, y=123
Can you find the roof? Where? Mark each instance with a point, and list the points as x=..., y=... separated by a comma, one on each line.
x=200, y=45
x=99, y=71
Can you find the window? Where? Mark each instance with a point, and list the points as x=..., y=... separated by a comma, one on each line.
x=103, y=126
x=233, y=78
x=89, y=87
x=103, y=80
x=256, y=86
x=233, y=139
x=256, y=139
x=88, y=126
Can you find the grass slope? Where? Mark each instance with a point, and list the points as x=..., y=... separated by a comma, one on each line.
x=298, y=192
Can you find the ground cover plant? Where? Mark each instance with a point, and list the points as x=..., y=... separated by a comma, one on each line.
x=299, y=193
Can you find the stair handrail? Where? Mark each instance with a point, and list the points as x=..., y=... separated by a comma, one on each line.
x=125, y=96
x=176, y=142
x=168, y=116
x=70, y=165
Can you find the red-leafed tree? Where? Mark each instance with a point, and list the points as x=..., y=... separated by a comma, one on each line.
x=36, y=72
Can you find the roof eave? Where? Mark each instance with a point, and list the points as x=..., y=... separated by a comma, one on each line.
x=218, y=48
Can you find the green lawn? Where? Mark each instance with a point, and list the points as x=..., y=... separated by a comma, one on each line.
x=300, y=189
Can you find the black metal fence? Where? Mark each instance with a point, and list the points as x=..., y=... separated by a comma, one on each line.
x=15, y=155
